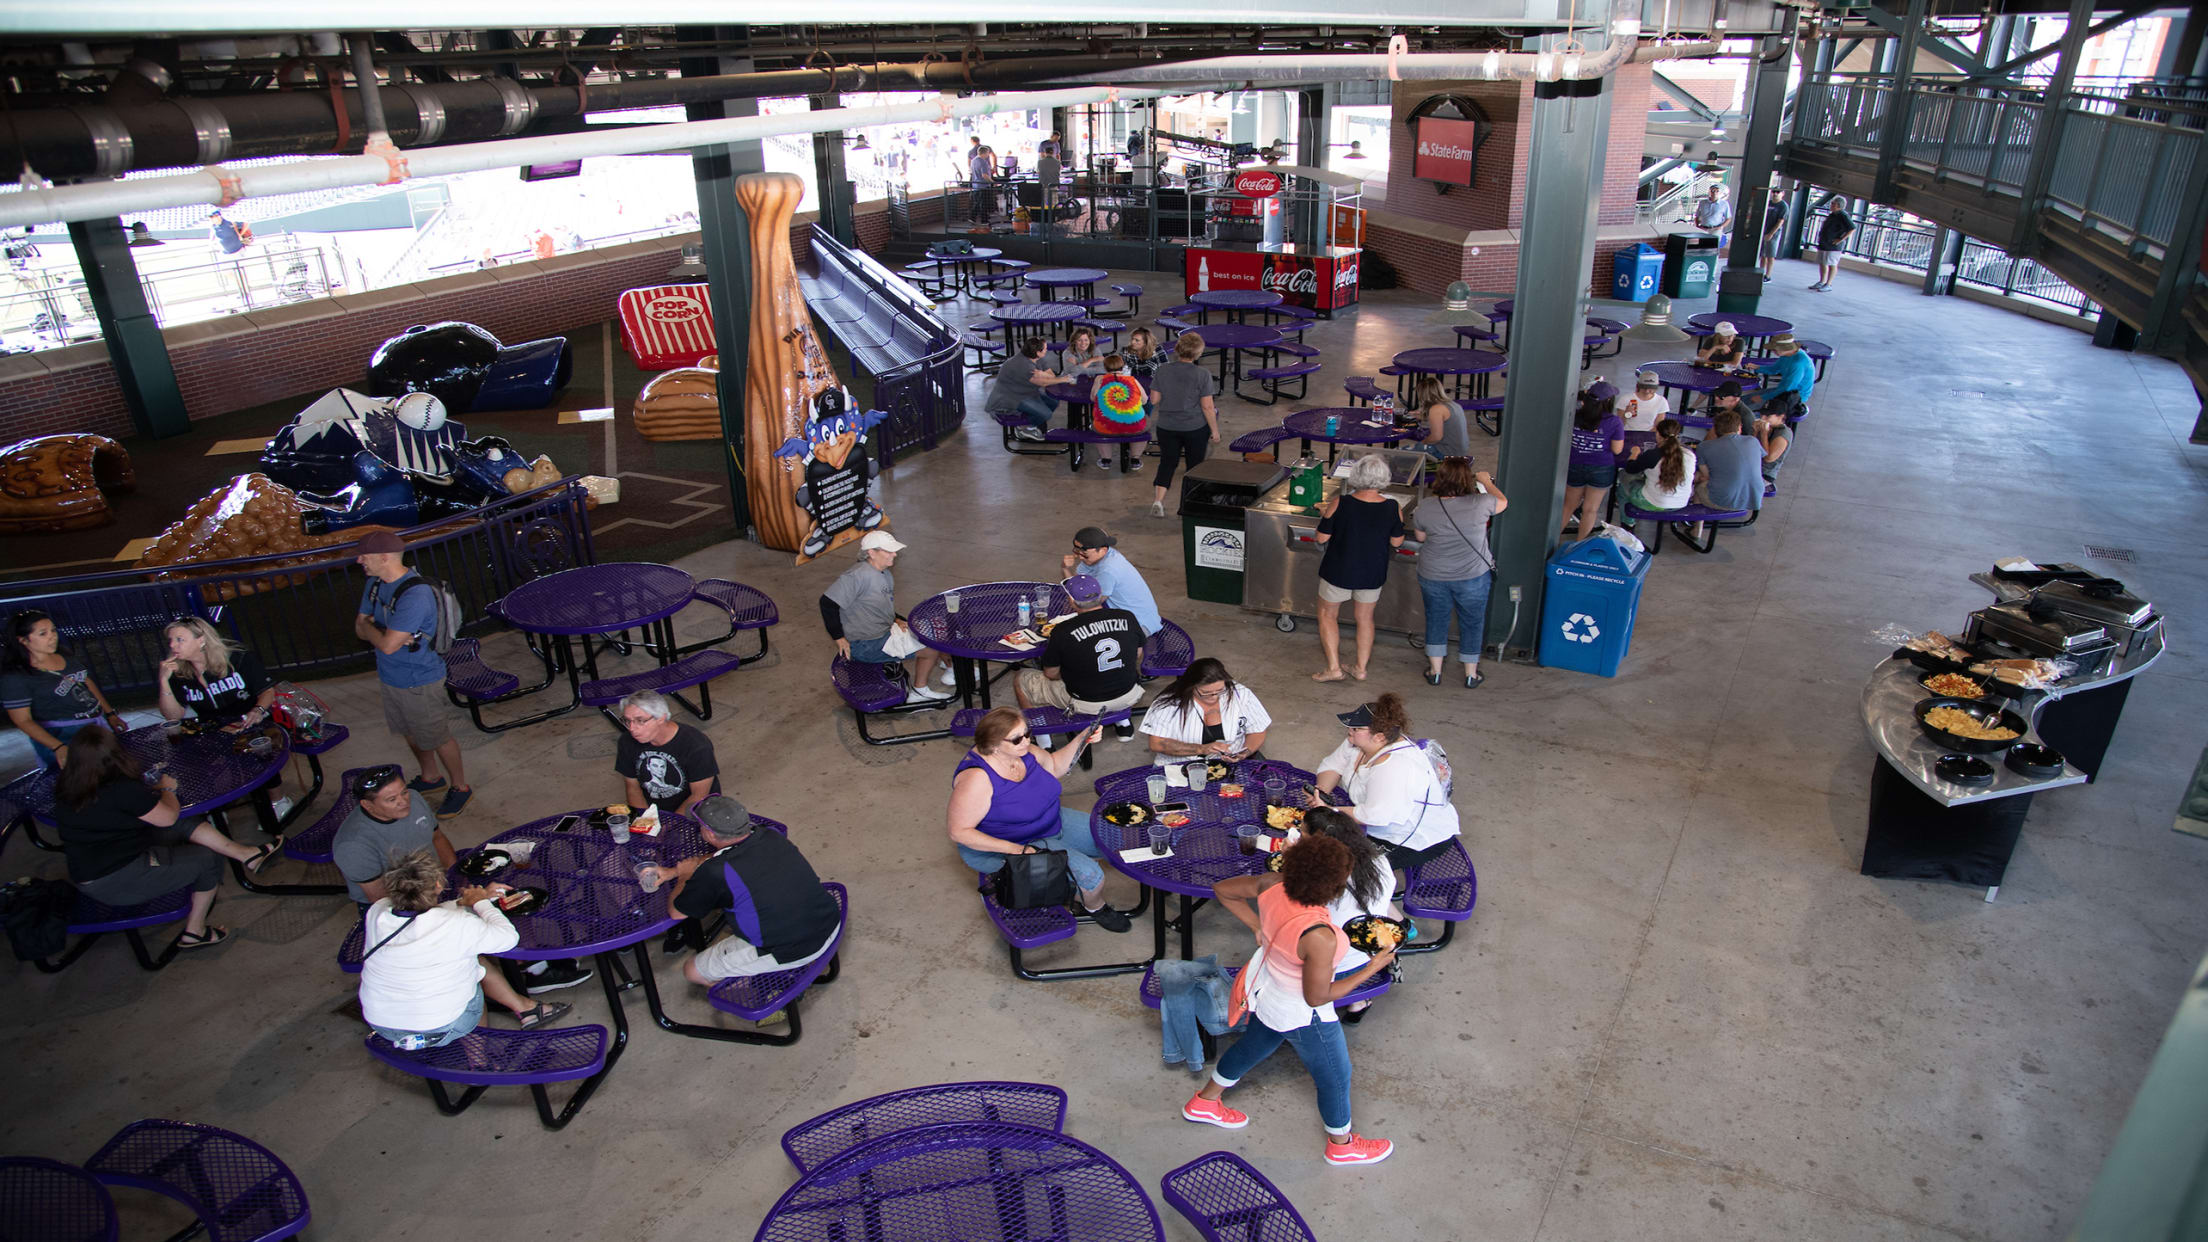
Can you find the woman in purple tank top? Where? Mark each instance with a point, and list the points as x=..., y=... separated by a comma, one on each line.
x=1005, y=800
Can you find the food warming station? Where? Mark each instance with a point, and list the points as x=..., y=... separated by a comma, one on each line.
x=1281, y=572
x=1932, y=817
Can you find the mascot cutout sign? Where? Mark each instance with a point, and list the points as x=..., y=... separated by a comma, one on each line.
x=837, y=469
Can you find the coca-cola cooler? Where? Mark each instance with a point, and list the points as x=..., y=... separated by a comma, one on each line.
x=1319, y=278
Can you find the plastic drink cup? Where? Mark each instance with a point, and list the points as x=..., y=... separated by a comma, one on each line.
x=520, y=851
x=1276, y=791
x=1245, y=838
x=1157, y=788
x=950, y=603
x=1161, y=838
x=260, y=744
x=618, y=825
x=648, y=877
x=1333, y=424
x=1198, y=774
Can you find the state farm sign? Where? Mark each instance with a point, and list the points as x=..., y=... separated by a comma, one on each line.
x=1444, y=151
x=1257, y=183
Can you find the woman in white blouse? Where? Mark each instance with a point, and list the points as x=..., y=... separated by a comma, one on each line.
x=1205, y=712
x=1392, y=787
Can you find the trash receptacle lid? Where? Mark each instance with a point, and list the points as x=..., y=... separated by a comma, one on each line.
x=1599, y=554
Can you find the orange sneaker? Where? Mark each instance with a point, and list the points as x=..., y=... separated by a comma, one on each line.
x=1214, y=1113
x=1359, y=1150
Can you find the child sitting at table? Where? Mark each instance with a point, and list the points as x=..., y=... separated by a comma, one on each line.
x=1641, y=410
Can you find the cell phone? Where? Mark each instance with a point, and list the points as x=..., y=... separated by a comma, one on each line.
x=1171, y=808
x=567, y=822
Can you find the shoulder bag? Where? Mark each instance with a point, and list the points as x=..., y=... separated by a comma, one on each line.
x=1034, y=881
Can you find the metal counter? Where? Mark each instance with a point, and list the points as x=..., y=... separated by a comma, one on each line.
x=1281, y=562
x=1890, y=700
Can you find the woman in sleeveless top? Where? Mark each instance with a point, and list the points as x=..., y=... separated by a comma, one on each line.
x=1005, y=800
x=1291, y=989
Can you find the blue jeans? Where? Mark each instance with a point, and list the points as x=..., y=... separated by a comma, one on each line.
x=414, y=1041
x=1469, y=599
x=869, y=650
x=1073, y=837
x=62, y=730
x=1039, y=411
x=1191, y=995
x=1325, y=1054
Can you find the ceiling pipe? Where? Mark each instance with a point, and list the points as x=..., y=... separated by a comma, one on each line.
x=221, y=186
x=99, y=139
x=1259, y=71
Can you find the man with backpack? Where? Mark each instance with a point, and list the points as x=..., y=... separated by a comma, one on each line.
x=405, y=617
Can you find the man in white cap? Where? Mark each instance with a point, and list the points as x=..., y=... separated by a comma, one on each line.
x=860, y=611
x=1641, y=408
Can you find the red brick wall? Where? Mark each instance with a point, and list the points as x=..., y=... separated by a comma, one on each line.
x=310, y=347
x=1621, y=166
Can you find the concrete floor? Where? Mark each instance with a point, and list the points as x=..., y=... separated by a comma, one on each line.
x=1678, y=1013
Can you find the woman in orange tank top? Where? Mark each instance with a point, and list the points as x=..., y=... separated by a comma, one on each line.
x=1290, y=989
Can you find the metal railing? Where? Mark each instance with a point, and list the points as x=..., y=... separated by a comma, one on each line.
x=1897, y=239
x=295, y=611
x=46, y=306
x=1115, y=207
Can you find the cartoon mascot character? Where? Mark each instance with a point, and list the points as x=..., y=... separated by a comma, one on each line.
x=837, y=467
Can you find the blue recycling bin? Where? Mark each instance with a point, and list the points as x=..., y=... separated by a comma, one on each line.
x=1594, y=592
x=1634, y=272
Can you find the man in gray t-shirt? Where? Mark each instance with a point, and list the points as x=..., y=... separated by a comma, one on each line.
x=1019, y=388
x=1184, y=418
x=391, y=821
x=859, y=610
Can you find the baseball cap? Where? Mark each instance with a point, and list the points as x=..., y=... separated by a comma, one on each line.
x=1084, y=590
x=1730, y=388
x=1784, y=343
x=1093, y=537
x=880, y=541
x=1726, y=328
x=723, y=814
x=1646, y=379
x=1603, y=390
x=379, y=541
x=1361, y=718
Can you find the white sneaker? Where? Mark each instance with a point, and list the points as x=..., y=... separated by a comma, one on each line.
x=1026, y=433
x=926, y=694
x=947, y=678
x=1157, y=508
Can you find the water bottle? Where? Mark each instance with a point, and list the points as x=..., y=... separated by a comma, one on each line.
x=1333, y=424
x=1027, y=612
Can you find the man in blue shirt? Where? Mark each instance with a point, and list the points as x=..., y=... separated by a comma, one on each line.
x=1797, y=374
x=398, y=615
x=1095, y=551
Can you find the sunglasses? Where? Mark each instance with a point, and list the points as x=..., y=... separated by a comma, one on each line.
x=1015, y=737
x=374, y=779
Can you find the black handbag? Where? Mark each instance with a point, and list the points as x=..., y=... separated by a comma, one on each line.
x=36, y=914
x=1034, y=881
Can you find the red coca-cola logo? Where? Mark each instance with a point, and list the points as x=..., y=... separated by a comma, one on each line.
x=1257, y=183
x=672, y=310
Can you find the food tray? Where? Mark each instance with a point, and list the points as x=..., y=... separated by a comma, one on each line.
x=1969, y=771
x=485, y=863
x=1985, y=712
x=525, y=901
x=1365, y=935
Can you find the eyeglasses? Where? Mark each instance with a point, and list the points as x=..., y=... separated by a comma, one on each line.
x=1211, y=694
x=374, y=779
x=1015, y=737
x=638, y=722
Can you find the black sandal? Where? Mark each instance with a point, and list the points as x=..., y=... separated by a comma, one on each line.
x=1433, y=679
x=1473, y=682
x=543, y=1014
x=206, y=939
x=263, y=854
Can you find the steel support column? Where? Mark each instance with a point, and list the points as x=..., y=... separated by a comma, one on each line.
x=1896, y=133
x=839, y=198
x=2047, y=138
x=1314, y=128
x=724, y=234
x=135, y=347
x=1939, y=267
x=1740, y=287
x=1570, y=135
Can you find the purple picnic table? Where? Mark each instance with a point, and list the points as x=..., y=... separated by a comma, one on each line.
x=964, y=1179
x=1204, y=850
x=1038, y=312
x=972, y=637
x=1690, y=377
x=1080, y=279
x=1235, y=302
x=1356, y=428
x=589, y=600
x=46, y=1199
x=1753, y=328
x=1470, y=367
x=1231, y=339
x=962, y=265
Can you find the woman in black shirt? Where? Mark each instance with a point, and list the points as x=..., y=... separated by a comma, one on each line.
x=123, y=842
x=48, y=693
x=212, y=677
x=1360, y=531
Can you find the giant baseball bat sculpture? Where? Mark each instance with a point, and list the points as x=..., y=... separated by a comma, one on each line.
x=787, y=368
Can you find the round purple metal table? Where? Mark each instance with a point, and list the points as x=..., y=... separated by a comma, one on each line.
x=211, y=773
x=977, y=254
x=1231, y=339
x=1204, y=850
x=588, y=600
x=1235, y=302
x=52, y=1201
x=1080, y=280
x=974, y=635
x=1357, y=427
x=1470, y=367
x=1038, y=312
x=1688, y=377
x=1755, y=329
x=967, y=1180
x=962, y=265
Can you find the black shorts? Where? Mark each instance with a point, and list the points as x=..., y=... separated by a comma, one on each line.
x=1404, y=859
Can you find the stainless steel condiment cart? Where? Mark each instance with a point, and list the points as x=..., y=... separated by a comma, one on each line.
x=1281, y=551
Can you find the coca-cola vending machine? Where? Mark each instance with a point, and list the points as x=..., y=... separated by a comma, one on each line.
x=1320, y=278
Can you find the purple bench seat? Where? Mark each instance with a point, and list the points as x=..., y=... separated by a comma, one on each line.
x=46, y=1199
x=312, y=844
x=89, y=920
x=1077, y=439
x=747, y=608
x=1032, y=929
x=1261, y=440
x=699, y=668
x=1228, y=1201
x=1173, y=326
x=1689, y=514
x=349, y=953
x=1167, y=653
x=1446, y=889
x=466, y=675
x=1274, y=377
x=237, y=1188
x=1362, y=390
x=813, y=1143
x=755, y=998
x=869, y=690
x=489, y=1057
x=1133, y=294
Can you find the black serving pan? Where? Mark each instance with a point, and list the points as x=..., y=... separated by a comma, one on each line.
x=1931, y=663
x=1984, y=712
x=1969, y=771
x=2033, y=759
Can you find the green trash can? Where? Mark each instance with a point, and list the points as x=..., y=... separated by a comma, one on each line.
x=1690, y=264
x=1214, y=496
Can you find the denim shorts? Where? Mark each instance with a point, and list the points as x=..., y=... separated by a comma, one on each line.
x=414, y=1041
x=1577, y=475
x=869, y=650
